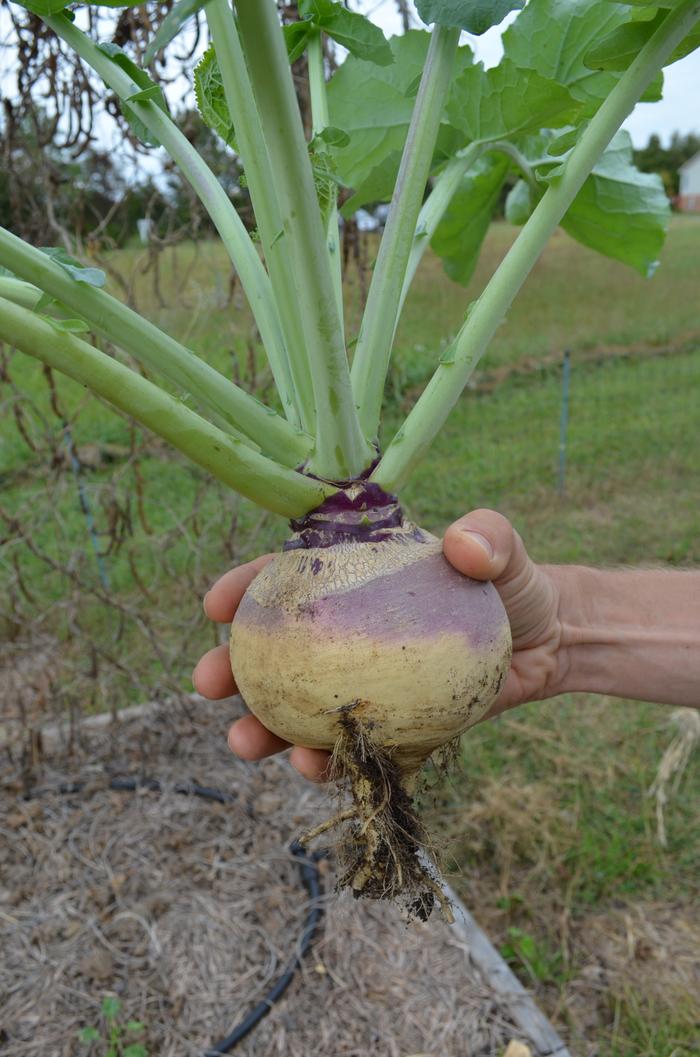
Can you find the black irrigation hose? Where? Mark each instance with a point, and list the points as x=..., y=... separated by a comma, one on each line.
x=310, y=878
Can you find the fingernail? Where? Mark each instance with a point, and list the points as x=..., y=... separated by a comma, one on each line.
x=204, y=602
x=481, y=540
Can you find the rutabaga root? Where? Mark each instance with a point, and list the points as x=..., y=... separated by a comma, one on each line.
x=383, y=853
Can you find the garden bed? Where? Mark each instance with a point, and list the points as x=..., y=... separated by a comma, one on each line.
x=188, y=911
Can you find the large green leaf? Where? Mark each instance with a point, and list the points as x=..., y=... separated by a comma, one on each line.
x=349, y=29
x=373, y=104
x=655, y=4
x=210, y=97
x=620, y=211
x=553, y=37
x=461, y=231
x=148, y=90
x=520, y=203
x=505, y=101
x=475, y=16
x=377, y=186
x=618, y=49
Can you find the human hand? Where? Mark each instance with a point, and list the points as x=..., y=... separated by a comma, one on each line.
x=213, y=678
x=483, y=545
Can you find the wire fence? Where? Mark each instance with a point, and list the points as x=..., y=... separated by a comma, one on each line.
x=585, y=424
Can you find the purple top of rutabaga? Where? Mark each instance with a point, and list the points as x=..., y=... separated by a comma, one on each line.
x=361, y=513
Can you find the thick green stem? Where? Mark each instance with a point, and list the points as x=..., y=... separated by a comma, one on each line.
x=278, y=489
x=262, y=186
x=373, y=350
x=18, y=291
x=433, y=210
x=234, y=236
x=321, y=119
x=427, y=417
x=341, y=451
x=146, y=343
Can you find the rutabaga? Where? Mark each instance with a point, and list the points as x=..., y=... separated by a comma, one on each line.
x=360, y=638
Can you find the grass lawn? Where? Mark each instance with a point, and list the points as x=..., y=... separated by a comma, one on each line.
x=551, y=835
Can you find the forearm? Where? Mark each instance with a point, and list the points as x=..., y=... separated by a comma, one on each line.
x=630, y=633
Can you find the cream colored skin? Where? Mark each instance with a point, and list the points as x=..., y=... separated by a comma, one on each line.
x=300, y=676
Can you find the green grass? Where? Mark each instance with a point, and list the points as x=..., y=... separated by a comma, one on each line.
x=553, y=836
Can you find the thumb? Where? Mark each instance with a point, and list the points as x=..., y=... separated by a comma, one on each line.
x=482, y=544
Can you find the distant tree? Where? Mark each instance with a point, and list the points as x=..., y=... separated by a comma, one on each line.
x=666, y=161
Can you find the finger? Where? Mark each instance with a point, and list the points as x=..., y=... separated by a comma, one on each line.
x=212, y=677
x=485, y=546
x=250, y=740
x=223, y=599
x=311, y=763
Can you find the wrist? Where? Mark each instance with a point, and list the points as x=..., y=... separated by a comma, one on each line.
x=574, y=588
x=629, y=633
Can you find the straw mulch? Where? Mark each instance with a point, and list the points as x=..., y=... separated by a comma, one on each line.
x=188, y=911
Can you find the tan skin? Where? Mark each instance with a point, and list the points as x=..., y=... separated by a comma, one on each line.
x=630, y=633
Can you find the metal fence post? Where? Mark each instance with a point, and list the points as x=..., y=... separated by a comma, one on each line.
x=564, y=421
x=85, y=506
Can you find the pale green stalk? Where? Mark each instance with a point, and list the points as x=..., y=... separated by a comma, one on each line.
x=341, y=452
x=260, y=178
x=229, y=460
x=20, y=292
x=373, y=350
x=145, y=342
x=234, y=236
x=321, y=119
x=433, y=210
x=442, y=392
x=520, y=160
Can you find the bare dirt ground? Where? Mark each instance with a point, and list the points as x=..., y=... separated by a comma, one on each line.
x=188, y=910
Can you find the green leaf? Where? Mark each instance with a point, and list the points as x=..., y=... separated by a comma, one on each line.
x=505, y=101
x=333, y=136
x=618, y=49
x=135, y=1025
x=134, y=1050
x=44, y=7
x=171, y=25
x=461, y=231
x=80, y=272
x=325, y=180
x=148, y=91
x=210, y=97
x=110, y=1007
x=351, y=30
x=377, y=186
x=647, y=3
x=296, y=36
x=520, y=203
x=89, y=1035
x=553, y=36
x=620, y=211
x=373, y=104
x=475, y=16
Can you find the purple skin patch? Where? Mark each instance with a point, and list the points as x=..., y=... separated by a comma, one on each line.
x=423, y=601
x=362, y=512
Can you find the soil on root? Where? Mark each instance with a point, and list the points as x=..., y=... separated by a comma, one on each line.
x=188, y=911
x=384, y=852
